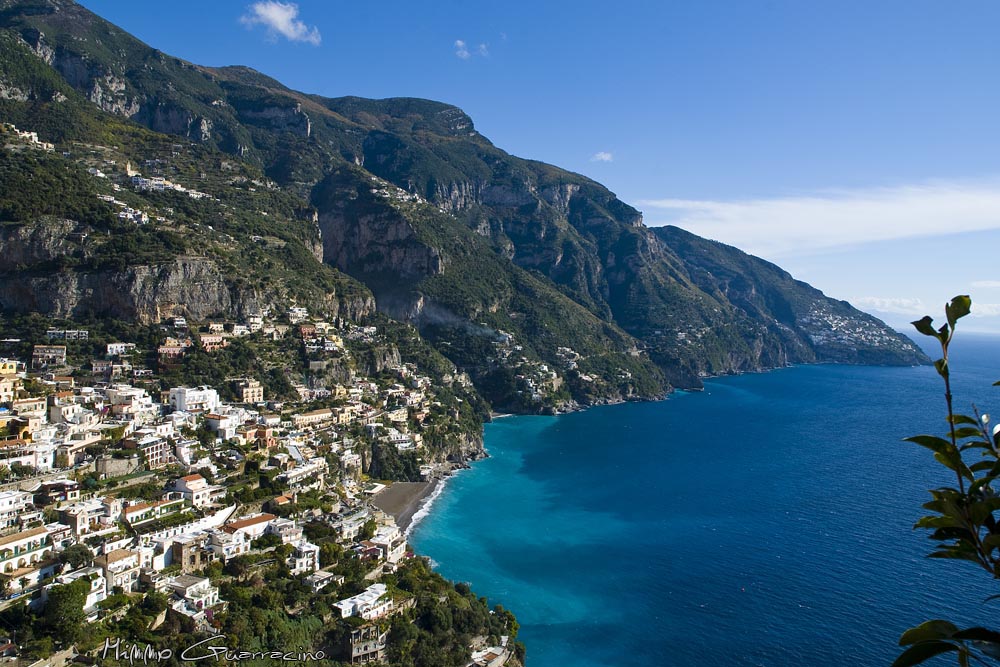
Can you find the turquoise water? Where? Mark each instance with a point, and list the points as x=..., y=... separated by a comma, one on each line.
x=765, y=521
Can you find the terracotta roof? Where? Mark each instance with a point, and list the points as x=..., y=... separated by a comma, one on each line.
x=132, y=509
x=245, y=523
x=316, y=413
x=24, y=534
x=117, y=555
x=191, y=478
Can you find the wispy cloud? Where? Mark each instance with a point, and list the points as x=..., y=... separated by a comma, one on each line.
x=281, y=18
x=893, y=305
x=464, y=51
x=916, y=307
x=986, y=283
x=786, y=226
x=602, y=156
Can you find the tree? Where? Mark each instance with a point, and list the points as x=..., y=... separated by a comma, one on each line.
x=329, y=553
x=368, y=530
x=154, y=602
x=63, y=616
x=962, y=517
x=76, y=556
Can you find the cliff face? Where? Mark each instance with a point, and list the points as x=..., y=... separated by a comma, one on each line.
x=188, y=286
x=69, y=268
x=366, y=237
x=526, y=275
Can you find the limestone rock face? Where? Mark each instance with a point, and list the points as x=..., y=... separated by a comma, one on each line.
x=279, y=118
x=188, y=285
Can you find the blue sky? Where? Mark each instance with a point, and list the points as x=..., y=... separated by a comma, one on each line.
x=854, y=143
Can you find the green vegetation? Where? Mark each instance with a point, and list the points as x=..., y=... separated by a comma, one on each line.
x=961, y=518
x=486, y=240
x=63, y=618
x=34, y=184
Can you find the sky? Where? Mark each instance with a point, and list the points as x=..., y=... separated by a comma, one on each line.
x=854, y=143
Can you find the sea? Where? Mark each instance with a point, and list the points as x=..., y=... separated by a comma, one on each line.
x=766, y=521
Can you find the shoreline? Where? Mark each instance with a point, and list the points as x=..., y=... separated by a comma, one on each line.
x=423, y=505
x=409, y=502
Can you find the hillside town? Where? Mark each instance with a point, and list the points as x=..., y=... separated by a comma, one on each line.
x=109, y=479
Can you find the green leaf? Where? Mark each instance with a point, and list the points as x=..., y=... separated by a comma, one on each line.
x=934, y=629
x=924, y=651
x=991, y=542
x=979, y=511
x=931, y=442
x=964, y=419
x=924, y=326
x=959, y=307
x=979, y=635
x=942, y=367
x=929, y=522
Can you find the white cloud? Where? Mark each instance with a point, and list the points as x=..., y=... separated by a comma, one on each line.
x=894, y=305
x=986, y=283
x=985, y=309
x=602, y=156
x=463, y=51
x=916, y=307
x=785, y=226
x=280, y=18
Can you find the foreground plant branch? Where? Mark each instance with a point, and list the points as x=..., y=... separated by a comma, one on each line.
x=961, y=518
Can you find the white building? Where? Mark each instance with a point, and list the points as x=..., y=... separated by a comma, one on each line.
x=228, y=545
x=304, y=559
x=98, y=588
x=310, y=475
x=286, y=529
x=132, y=404
x=319, y=580
x=252, y=527
x=118, y=349
x=23, y=554
x=197, y=598
x=91, y=516
x=372, y=603
x=121, y=568
x=197, y=490
x=390, y=542
x=12, y=504
x=198, y=399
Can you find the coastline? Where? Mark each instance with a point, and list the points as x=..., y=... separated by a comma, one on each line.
x=409, y=502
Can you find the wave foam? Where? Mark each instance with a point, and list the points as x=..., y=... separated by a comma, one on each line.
x=426, y=505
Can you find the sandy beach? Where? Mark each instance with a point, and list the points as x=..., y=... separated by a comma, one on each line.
x=403, y=499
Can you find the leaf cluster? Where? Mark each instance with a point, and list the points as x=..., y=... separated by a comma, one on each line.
x=961, y=517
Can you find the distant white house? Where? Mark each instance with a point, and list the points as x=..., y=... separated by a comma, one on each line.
x=199, y=399
x=371, y=604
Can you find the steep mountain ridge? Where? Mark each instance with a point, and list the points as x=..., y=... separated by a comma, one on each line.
x=509, y=266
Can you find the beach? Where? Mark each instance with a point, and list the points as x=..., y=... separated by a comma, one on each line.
x=404, y=499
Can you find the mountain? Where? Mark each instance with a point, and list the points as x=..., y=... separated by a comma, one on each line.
x=539, y=282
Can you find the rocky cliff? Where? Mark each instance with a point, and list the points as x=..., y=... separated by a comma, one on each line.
x=539, y=282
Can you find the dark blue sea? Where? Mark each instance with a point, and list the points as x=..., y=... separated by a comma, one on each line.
x=765, y=521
